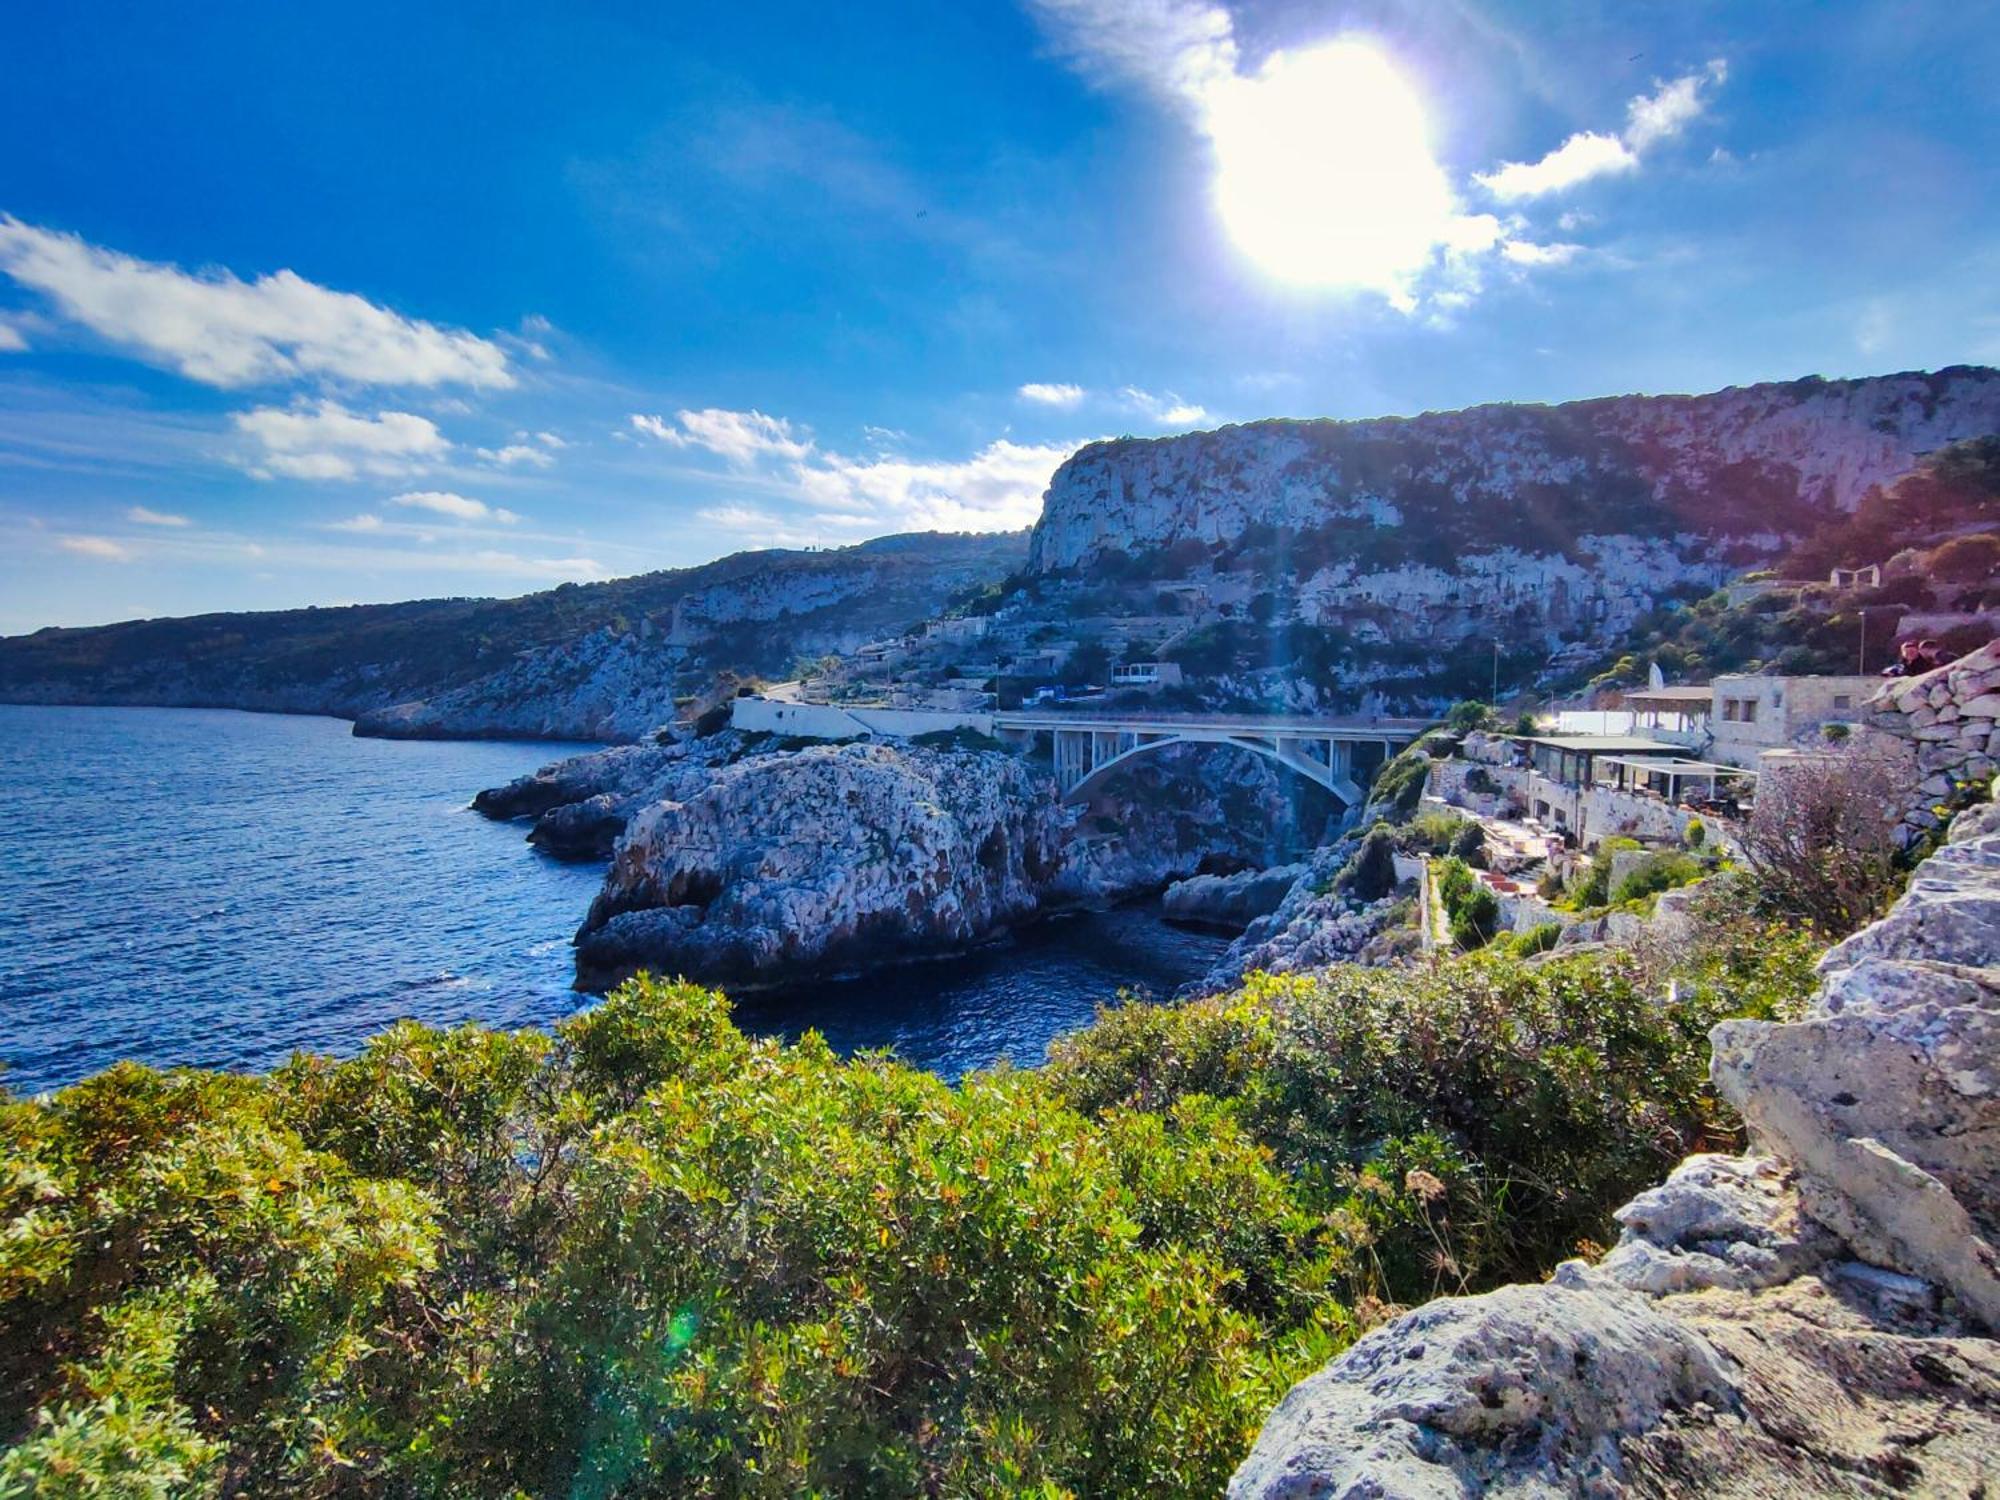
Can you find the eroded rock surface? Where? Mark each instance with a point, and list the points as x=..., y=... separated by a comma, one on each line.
x=1815, y=1318
x=1230, y=900
x=805, y=864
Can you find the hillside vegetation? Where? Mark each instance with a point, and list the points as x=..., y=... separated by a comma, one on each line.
x=1935, y=534
x=593, y=660
x=649, y=1256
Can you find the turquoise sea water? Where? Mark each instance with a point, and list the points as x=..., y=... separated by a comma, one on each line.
x=216, y=888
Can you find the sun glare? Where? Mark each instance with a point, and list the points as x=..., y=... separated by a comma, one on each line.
x=1324, y=173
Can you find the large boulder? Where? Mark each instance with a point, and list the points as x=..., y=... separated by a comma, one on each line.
x=1230, y=900
x=1887, y=1095
x=794, y=866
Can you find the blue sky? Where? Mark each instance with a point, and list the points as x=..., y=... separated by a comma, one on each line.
x=316, y=304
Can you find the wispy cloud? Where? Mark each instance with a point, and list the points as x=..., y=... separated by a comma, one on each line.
x=324, y=440
x=1527, y=253
x=12, y=339
x=223, y=331
x=102, y=548
x=1649, y=119
x=742, y=437
x=457, y=507
x=1165, y=409
x=1060, y=395
x=515, y=454
x=997, y=488
x=139, y=515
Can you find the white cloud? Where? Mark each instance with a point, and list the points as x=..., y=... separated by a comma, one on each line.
x=516, y=453
x=1676, y=105
x=12, y=340
x=218, y=329
x=1063, y=396
x=1526, y=253
x=458, y=507
x=548, y=440
x=364, y=522
x=139, y=515
x=324, y=440
x=998, y=488
x=1182, y=50
x=1167, y=409
x=1578, y=159
x=1649, y=119
x=100, y=547
x=742, y=437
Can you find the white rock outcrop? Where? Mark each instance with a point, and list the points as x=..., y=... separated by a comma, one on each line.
x=809, y=863
x=1815, y=1318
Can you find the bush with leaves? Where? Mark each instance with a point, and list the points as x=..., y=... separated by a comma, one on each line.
x=649, y=1255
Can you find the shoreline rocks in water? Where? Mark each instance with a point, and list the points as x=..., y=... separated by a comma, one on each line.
x=1233, y=901
x=784, y=867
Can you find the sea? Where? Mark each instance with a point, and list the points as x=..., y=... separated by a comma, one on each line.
x=219, y=889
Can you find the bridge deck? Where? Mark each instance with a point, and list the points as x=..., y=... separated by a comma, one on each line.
x=1355, y=726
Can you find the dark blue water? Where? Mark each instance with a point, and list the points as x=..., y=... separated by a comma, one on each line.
x=214, y=888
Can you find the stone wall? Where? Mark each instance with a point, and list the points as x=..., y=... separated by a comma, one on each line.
x=1813, y=1318
x=1950, y=716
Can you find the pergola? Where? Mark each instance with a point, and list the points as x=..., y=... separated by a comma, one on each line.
x=1669, y=778
x=1675, y=709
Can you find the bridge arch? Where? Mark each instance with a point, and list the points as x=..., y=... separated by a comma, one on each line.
x=1332, y=778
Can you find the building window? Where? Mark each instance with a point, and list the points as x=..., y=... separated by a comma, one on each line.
x=1729, y=709
x=1843, y=700
x=1749, y=710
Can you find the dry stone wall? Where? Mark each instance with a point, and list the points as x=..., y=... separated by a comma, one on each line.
x=1952, y=717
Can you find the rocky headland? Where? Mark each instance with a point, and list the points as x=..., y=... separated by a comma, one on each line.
x=805, y=864
x=595, y=661
x=737, y=859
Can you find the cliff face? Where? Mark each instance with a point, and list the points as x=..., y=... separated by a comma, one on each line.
x=584, y=661
x=1752, y=465
x=1387, y=558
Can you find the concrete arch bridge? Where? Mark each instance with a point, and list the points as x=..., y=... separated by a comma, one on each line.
x=1339, y=754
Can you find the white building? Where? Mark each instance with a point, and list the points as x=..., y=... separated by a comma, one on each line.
x=1752, y=714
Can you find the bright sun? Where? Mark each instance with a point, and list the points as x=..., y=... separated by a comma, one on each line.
x=1324, y=173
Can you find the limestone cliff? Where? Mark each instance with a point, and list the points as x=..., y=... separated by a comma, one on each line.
x=1749, y=464
x=1382, y=560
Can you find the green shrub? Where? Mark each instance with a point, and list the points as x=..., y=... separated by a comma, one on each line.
x=1663, y=872
x=1696, y=833
x=648, y=1255
x=1476, y=920
x=1370, y=872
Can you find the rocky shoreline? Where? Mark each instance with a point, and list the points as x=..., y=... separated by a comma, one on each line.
x=740, y=861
